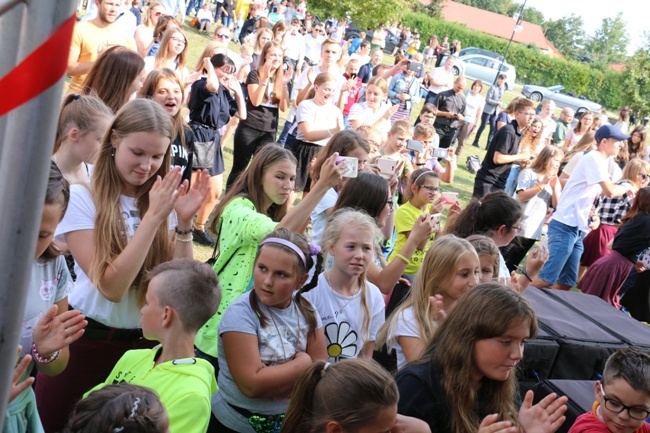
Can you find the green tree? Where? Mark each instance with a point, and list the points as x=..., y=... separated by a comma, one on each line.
x=531, y=14
x=636, y=82
x=567, y=34
x=609, y=44
x=366, y=14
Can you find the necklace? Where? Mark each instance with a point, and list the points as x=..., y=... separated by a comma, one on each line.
x=277, y=330
x=352, y=296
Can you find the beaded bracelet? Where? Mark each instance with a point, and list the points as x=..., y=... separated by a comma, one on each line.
x=38, y=358
x=186, y=240
x=182, y=232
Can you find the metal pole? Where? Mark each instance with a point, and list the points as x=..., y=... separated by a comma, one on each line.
x=27, y=130
x=514, y=30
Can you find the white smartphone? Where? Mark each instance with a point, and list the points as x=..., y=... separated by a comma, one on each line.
x=437, y=217
x=349, y=165
x=386, y=167
x=450, y=197
x=440, y=153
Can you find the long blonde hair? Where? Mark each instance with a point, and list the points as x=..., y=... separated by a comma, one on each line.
x=438, y=270
x=139, y=115
x=339, y=220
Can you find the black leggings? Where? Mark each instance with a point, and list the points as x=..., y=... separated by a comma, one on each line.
x=246, y=142
x=515, y=251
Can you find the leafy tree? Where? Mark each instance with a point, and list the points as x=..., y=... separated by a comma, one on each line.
x=636, y=81
x=567, y=34
x=531, y=14
x=609, y=44
x=366, y=14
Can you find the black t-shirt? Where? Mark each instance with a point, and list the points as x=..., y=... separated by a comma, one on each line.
x=506, y=141
x=450, y=102
x=182, y=156
x=209, y=111
x=264, y=117
x=633, y=237
x=421, y=396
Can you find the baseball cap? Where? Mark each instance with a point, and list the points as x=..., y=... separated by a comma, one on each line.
x=610, y=131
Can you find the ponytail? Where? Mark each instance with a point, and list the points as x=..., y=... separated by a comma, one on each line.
x=298, y=418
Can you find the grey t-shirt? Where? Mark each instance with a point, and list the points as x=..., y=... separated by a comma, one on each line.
x=277, y=345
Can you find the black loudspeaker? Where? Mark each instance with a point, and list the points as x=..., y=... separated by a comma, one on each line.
x=586, y=329
x=581, y=397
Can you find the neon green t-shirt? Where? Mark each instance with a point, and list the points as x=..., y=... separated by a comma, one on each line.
x=405, y=217
x=185, y=386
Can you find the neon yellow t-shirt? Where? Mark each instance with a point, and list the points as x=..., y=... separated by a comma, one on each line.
x=405, y=217
x=185, y=386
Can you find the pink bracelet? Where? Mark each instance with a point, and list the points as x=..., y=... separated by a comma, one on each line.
x=38, y=358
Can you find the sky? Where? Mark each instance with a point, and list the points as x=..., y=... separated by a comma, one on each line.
x=635, y=14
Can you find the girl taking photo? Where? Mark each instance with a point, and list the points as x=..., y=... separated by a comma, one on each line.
x=253, y=207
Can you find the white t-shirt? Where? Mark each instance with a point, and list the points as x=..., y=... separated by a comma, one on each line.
x=363, y=113
x=536, y=207
x=613, y=169
x=85, y=297
x=472, y=105
x=580, y=191
x=548, y=126
x=313, y=47
x=302, y=82
x=405, y=326
x=326, y=116
x=342, y=317
x=441, y=75
x=319, y=216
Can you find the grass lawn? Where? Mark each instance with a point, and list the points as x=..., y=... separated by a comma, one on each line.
x=463, y=181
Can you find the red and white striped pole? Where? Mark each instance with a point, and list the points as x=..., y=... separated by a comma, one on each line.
x=35, y=37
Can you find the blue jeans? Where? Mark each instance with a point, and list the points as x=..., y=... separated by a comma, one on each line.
x=194, y=4
x=511, y=183
x=285, y=131
x=564, y=249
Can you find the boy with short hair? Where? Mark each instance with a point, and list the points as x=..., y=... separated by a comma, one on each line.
x=622, y=396
x=181, y=296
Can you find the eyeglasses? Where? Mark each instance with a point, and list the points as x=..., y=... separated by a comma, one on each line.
x=157, y=14
x=518, y=228
x=433, y=189
x=615, y=406
x=390, y=204
x=222, y=36
x=178, y=40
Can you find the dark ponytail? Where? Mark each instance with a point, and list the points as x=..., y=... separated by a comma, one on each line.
x=485, y=215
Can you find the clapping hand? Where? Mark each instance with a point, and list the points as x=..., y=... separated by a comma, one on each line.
x=54, y=332
x=544, y=417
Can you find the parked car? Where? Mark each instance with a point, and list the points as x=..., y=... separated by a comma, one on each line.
x=562, y=100
x=484, y=68
x=473, y=50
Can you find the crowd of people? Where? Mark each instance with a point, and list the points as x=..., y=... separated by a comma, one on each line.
x=125, y=332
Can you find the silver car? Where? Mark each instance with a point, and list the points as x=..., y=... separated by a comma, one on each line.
x=562, y=100
x=484, y=68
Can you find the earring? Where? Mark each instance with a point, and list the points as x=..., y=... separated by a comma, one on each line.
x=113, y=153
